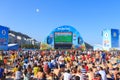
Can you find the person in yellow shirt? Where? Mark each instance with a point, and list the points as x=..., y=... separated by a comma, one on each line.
x=67, y=58
x=15, y=55
x=12, y=58
x=1, y=57
x=15, y=69
x=35, y=70
x=21, y=63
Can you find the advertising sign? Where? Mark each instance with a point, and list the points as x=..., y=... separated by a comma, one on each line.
x=3, y=38
x=115, y=38
x=106, y=39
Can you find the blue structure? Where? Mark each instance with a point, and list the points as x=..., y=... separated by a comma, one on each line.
x=4, y=31
x=110, y=38
x=65, y=37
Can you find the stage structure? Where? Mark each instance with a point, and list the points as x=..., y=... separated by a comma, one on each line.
x=64, y=37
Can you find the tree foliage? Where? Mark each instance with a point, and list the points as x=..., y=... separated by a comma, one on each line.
x=30, y=46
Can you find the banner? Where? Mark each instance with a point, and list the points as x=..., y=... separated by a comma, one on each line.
x=115, y=38
x=4, y=31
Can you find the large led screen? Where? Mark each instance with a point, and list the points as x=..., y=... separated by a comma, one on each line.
x=63, y=37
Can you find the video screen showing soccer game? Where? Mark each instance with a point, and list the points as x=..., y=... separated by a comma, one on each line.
x=63, y=37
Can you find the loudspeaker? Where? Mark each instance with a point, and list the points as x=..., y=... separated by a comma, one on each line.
x=49, y=40
x=80, y=41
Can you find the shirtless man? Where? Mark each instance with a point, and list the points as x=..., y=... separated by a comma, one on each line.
x=90, y=74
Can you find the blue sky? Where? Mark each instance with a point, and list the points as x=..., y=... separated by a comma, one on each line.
x=89, y=17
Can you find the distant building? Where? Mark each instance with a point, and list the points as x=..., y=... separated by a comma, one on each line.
x=88, y=46
x=20, y=39
x=32, y=41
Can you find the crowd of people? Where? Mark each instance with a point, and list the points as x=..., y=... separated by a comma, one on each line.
x=60, y=65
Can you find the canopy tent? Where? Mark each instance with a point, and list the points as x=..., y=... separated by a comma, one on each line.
x=13, y=46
